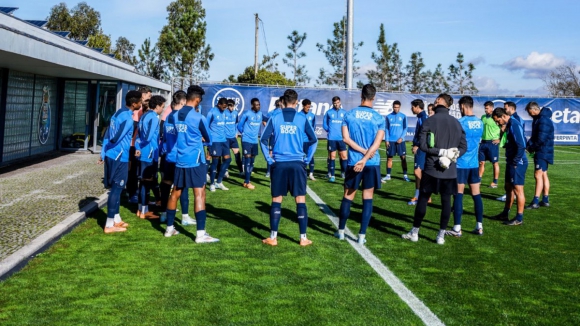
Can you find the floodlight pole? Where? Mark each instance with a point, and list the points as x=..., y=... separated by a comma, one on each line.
x=256, y=48
x=349, y=42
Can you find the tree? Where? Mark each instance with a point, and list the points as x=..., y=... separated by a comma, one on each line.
x=379, y=76
x=150, y=62
x=461, y=77
x=182, y=42
x=335, y=52
x=269, y=62
x=291, y=60
x=563, y=81
x=82, y=20
x=101, y=41
x=436, y=82
x=124, y=50
x=396, y=75
x=415, y=76
x=388, y=73
x=268, y=74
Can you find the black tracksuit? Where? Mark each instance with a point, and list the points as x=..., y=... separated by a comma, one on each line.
x=441, y=131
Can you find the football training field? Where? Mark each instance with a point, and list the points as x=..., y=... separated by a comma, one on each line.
x=522, y=275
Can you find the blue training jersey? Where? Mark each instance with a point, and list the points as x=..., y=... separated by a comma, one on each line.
x=421, y=117
x=191, y=127
x=332, y=123
x=311, y=117
x=216, y=119
x=249, y=126
x=148, y=139
x=119, y=135
x=363, y=124
x=170, y=138
x=473, y=128
x=287, y=133
x=515, y=146
x=231, y=123
x=396, y=124
x=520, y=120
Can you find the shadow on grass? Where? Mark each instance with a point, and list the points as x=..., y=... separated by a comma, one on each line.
x=239, y=220
x=288, y=214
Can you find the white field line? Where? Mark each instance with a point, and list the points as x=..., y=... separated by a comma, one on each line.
x=418, y=307
x=569, y=152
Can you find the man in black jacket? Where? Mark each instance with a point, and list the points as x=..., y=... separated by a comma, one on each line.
x=443, y=140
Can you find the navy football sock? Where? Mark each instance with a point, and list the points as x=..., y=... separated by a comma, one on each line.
x=457, y=208
x=478, y=205
x=343, y=166
x=213, y=169
x=302, y=213
x=275, y=214
x=184, y=201
x=344, y=213
x=170, y=217
x=224, y=169
x=200, y=218
x=366, y=215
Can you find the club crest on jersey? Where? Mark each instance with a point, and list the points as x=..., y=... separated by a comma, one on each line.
x=288, y=129
x=44, y=117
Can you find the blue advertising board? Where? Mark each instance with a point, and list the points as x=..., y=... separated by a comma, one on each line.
x=566, y=111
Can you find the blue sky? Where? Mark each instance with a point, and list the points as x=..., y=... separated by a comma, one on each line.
x=513, y=43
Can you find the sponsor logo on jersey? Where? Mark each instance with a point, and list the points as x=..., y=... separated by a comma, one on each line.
x=364, y=115
x=288, y=129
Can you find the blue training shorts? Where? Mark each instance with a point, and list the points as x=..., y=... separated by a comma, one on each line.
x=219, y=149
x=336, y=145
x=516, y=175
x=116, y=173
x=249, y=149
x=468, y=176
x=396, y=149
x=190, y=177
x=488, y=151
x=232, y=143
x=370, y=177
x=288, y=177
x=540, y=164
x=420, y=160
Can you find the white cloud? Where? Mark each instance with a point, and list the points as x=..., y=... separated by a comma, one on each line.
x=535, y=65
x=488, y=86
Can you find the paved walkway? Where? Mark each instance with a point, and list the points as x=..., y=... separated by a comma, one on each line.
x=35, y=198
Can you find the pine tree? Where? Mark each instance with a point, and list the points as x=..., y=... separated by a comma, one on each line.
x=291, y=60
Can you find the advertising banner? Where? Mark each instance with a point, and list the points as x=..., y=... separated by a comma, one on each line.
x=566, y=111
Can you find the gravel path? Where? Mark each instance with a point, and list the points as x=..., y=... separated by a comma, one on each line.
x=35, y=198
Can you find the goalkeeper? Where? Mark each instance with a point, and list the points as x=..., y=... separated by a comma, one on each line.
x=443, y=141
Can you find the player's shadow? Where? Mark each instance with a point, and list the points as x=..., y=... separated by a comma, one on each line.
x=100, y=217
x=290, y=215
x=239, y=220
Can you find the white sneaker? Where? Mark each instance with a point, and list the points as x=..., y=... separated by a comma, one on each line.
x=339, y=235
x=311, y=176
x=206, y=238
x=212, y=187
x=414, y=237
x=227, y=175
x=170, y=233
x=440, y=240
x=186, y=220
x=361, y=241
x=221, y=186
x=385, y=179
x=502, y=198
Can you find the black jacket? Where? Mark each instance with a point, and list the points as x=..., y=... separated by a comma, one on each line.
x=542, y=141
x=441, y=131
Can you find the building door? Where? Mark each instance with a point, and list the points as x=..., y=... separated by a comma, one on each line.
x=106, y=106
